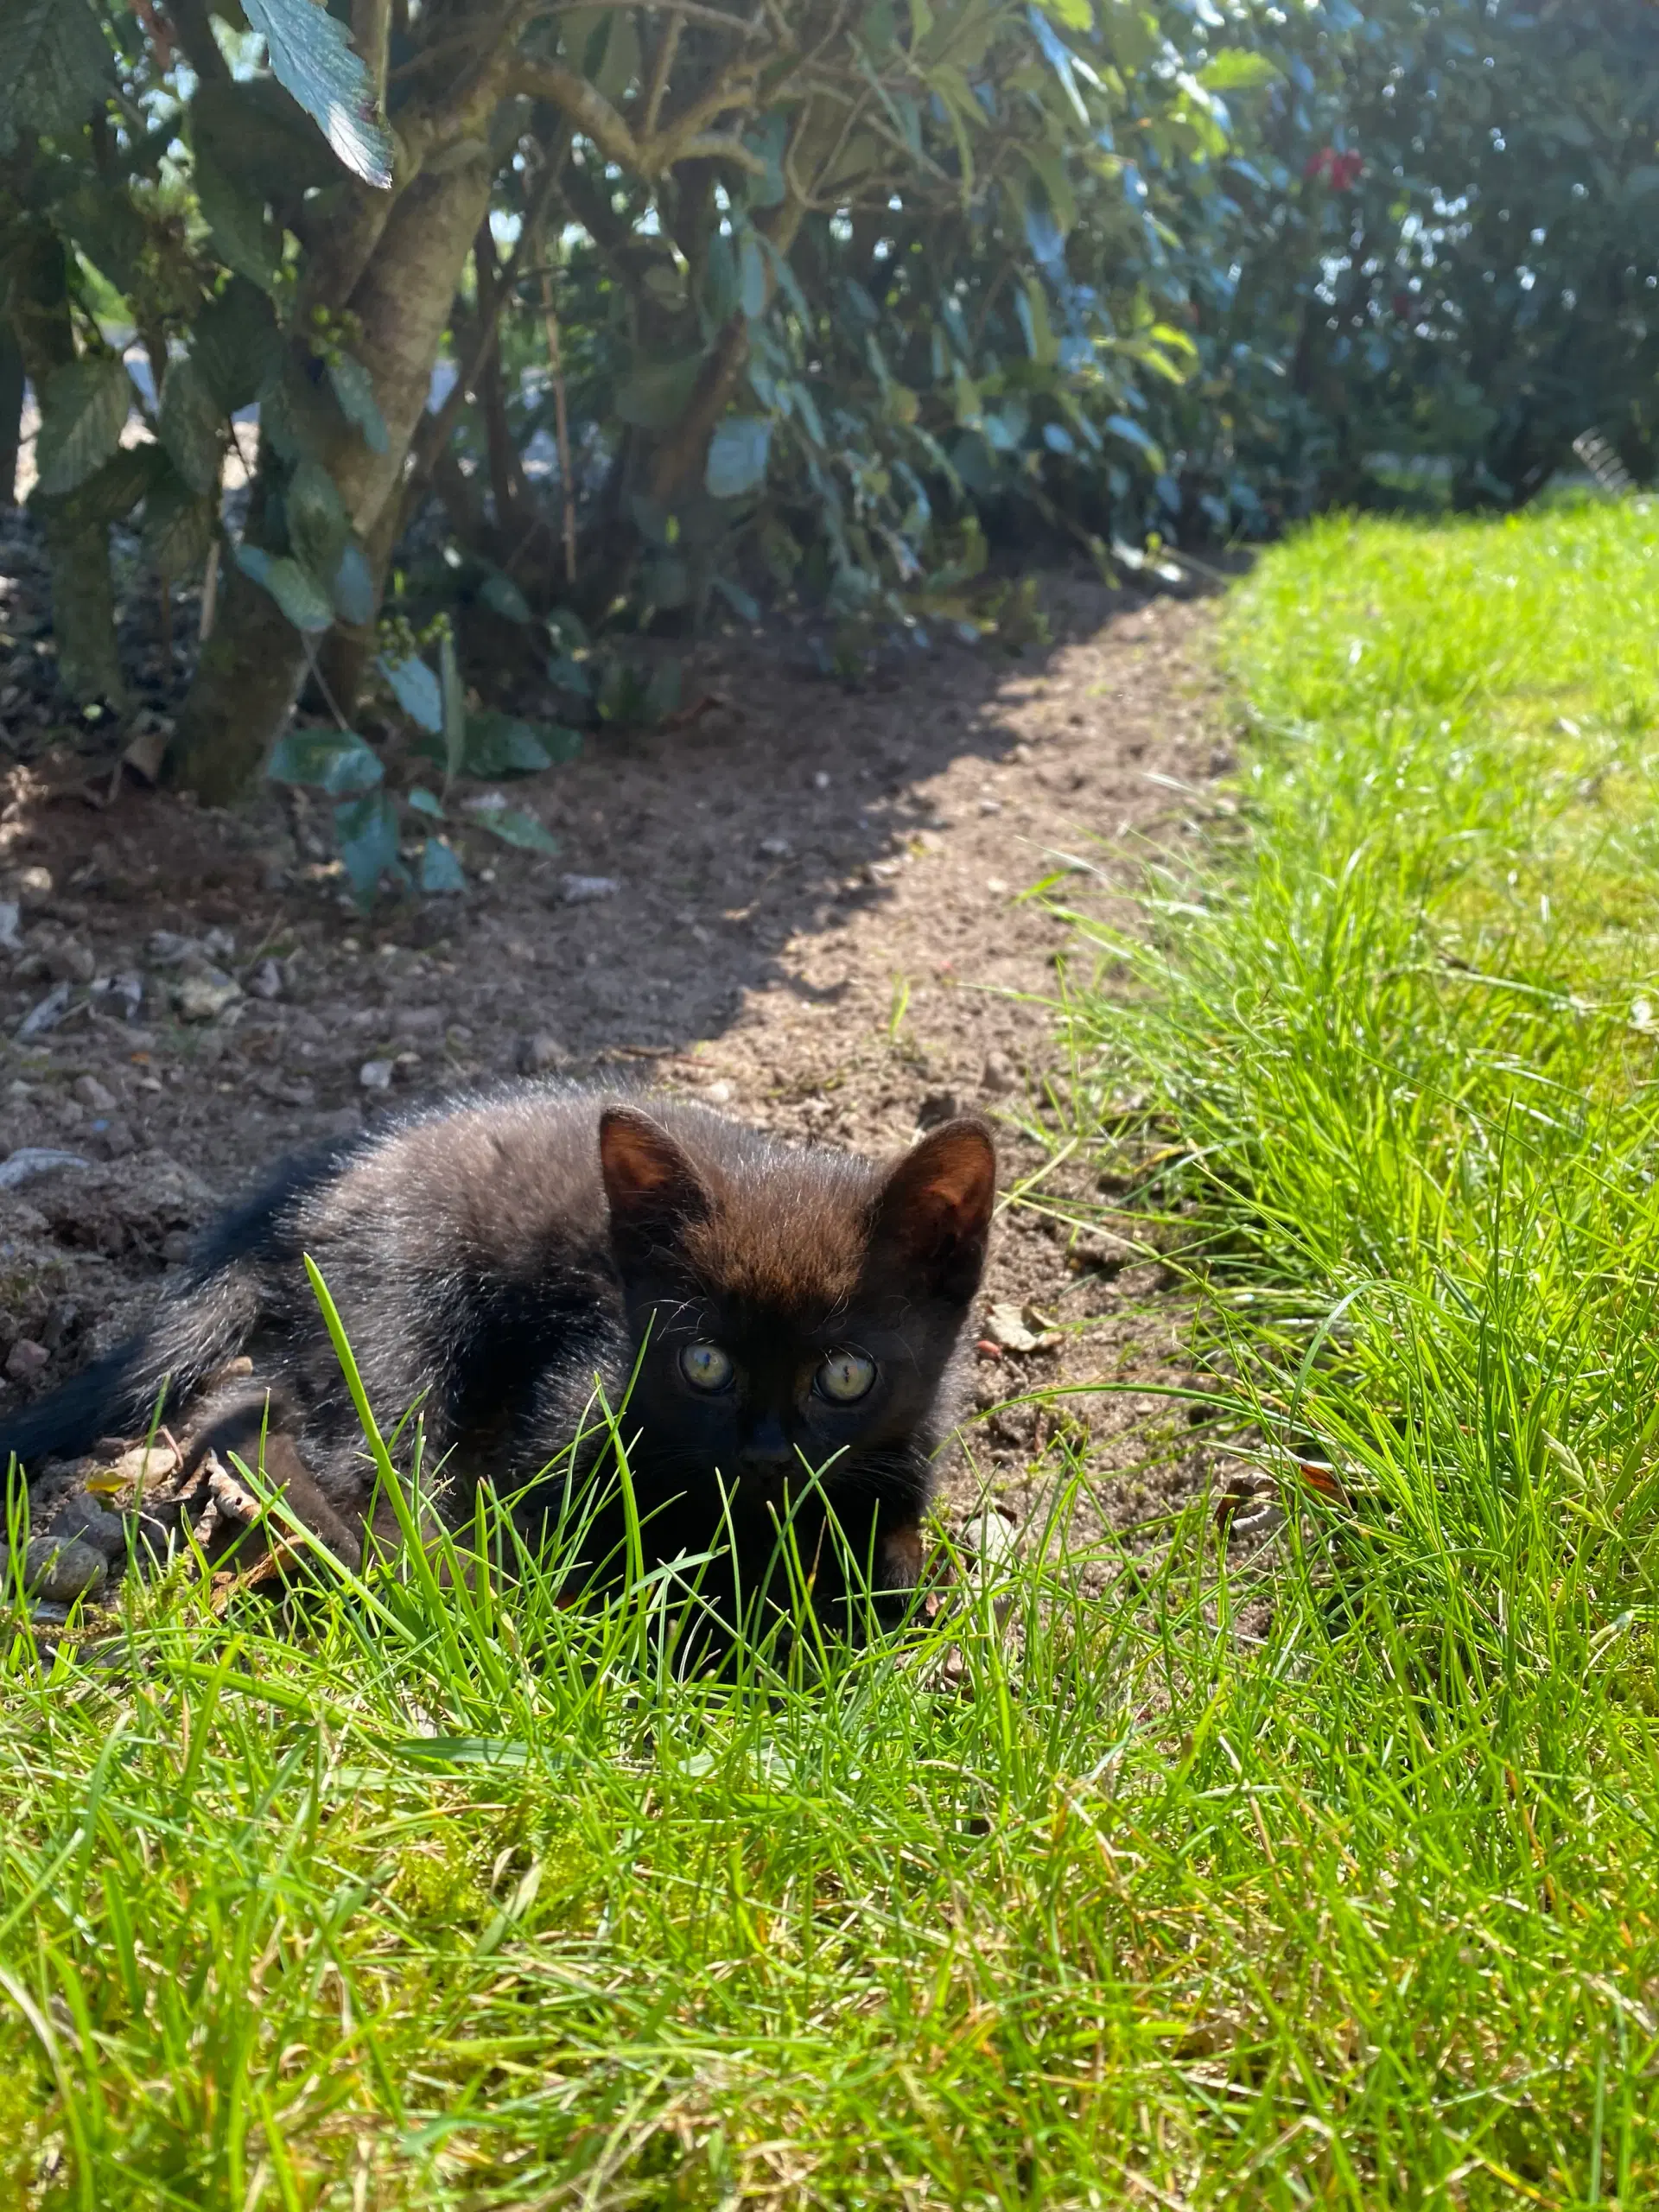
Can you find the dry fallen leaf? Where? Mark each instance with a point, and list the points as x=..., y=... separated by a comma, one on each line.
x=1020, y=1330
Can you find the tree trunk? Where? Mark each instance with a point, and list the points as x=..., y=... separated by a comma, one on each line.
x=11, y=412
x=249, y=675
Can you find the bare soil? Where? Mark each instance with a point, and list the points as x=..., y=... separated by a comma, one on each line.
x=819, y=922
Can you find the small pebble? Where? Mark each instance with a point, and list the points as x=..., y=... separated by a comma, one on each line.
x=582, y=890
x=27, y=1359
x=994, y=1541
x=538, y=1054
x=69, y=961
x=266, y=981
x=117, y=1140
x=375, y=1075
x=91, y=1092
x=776, y=848
x=58, y=1571
x=999, y=1075
x=204, y=995
x=84, y=1520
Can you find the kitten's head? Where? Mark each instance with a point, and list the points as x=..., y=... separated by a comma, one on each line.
x=793, y=1306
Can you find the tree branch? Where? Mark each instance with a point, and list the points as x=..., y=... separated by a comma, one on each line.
x=688, y=11
x=667, y=47
x=647, y=158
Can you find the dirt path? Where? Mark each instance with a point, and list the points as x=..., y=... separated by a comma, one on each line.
x=816, y=923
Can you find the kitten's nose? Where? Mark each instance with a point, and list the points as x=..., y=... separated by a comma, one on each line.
x=767, y=1450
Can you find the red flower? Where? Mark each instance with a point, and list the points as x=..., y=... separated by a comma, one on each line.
x=1343, y=169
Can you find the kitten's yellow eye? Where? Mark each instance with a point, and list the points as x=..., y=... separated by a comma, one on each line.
x=706, y=1367
x=845, y=1377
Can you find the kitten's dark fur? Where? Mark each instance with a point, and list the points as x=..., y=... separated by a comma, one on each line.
x=490, y=1258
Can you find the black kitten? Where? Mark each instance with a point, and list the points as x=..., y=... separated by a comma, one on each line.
x=767, y=1313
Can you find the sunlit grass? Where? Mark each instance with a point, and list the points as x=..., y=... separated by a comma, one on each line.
x=1398, y=1039
x=434, y=1892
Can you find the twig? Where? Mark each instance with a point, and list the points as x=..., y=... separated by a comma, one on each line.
x=209, y=592
x=561, y=417
x=686, y=137
x=688, y=11
x=321, y=682
x=372, y=36
x=661, y=69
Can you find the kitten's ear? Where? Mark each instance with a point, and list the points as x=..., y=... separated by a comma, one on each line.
x=933, y=1213
x=653, y=1189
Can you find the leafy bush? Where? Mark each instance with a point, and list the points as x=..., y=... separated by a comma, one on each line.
x=813, y=302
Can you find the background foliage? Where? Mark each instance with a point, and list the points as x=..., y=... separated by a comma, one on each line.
x=825, y=300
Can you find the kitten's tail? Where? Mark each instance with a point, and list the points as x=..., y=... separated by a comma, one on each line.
x=196, y=1332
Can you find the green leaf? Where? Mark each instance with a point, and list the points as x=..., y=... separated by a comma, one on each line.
x=296, y=416
x=426, y=802
x=178, y=526
x=367, y=830
x=1235, y=70
x=1049, y=166
x=514, y=827
x=246, y=239
x=500, y=745
x=304, y=601
x=87, y=403
x=1076, y=14
x=737, y=455
x=335, y=760
x=236, y=345
x=667, y=583
x=107, y=228
x=259, y=135
x=454, y=711
x=55, y=68
x=415, y=689
x=353, y=388
x=655, y=398
x=130, y=474
x=746, y=608
x=569, y=675
x=1040, y=343
x=662, y=692
x=311, y=56
x=190, y=421
x=567, y=629
x=499, y=592
x=318, y=528
x=354, y=769
x=353, y=586
x=753, y=290
x=441, y=873
x=1121, y=426
x=619, y=66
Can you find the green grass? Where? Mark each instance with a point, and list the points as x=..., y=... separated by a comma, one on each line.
x=449, y=1897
